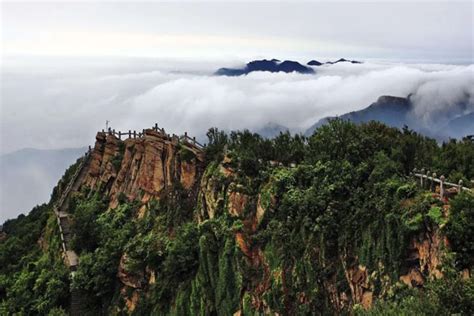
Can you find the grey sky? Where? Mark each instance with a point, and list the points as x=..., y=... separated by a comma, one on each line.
x=404, y=30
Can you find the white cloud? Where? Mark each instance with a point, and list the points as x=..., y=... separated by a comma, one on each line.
x=54, y=107
x=59, y=104
x=297, y=101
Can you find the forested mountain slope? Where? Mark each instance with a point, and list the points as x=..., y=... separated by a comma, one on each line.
x=327, y=224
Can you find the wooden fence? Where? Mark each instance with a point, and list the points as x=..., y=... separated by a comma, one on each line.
x=429, y=180
x=172, y=137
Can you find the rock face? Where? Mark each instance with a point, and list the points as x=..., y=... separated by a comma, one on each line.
x=141, y=168
x=361, y=287
x=424, y=258
x=236, y=203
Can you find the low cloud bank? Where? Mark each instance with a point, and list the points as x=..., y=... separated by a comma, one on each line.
x=61, y=104
x=64, y=107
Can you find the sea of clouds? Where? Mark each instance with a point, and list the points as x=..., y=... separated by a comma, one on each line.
x=61, y=103
x=54, y=103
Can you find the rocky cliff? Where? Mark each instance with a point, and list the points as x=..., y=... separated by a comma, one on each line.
x=243, y=227
x=142, y=168
x=148, y=168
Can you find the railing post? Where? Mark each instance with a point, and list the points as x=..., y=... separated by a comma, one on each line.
x=120, y=135
x=421, y=177
x=110, y=130
x=428, y=180
x=460, y=186
x=441, y=186
x=156, y=127
x=433, y=183
x=129, y=134
x=134, y=134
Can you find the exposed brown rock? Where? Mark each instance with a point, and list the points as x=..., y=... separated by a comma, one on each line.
x=413, y=278
x=260, y=210
x=143, y=169
x=147, y=166
x=188, y=174
x=127, y=278
x=430, y=250
x=131, y=301
x=212, y=193
x=239, y=238
x=360, y=285
x=236, y=203
x=367, y=299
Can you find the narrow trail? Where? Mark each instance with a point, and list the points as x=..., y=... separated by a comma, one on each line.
x=77, y=304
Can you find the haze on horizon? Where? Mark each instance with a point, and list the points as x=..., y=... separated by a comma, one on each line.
x=425, y=31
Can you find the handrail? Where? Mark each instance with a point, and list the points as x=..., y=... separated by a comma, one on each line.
x=134, y=134
x=424, y=178
x=58, y=205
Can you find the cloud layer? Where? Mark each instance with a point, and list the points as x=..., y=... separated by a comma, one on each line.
x=63, y=103
x=57, y=107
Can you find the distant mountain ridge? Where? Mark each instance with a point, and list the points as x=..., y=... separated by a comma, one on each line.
x=341, y=60
x=397, y=112
x=273, y=65
x=271, y=130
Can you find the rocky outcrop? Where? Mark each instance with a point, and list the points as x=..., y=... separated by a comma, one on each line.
x=133, y=280
x=424, y=258
x=141, y=168
x=360, y=285
x=413, y=278
x=131, y=299
x=213, y=190
x=236, y=203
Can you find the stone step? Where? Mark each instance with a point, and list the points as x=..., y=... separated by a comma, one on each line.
x=78, y=303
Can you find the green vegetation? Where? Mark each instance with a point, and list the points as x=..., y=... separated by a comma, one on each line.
x=329, y=203
x=460, y=229
x=33, y=278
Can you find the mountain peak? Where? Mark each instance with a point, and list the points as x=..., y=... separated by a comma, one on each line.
x=314, y=63
x=273, y=65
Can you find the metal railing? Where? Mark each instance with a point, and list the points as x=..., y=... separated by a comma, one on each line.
x=161, y=131
x=430, y=180
x=58, y=205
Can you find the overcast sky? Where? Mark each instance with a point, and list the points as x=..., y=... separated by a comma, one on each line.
x=403, y=30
